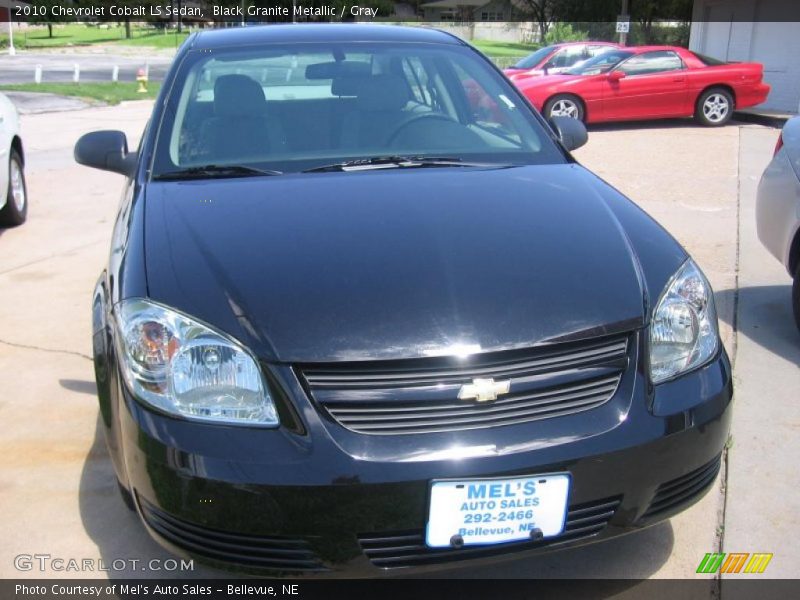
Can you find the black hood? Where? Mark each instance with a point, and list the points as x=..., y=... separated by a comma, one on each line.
x=394, y=264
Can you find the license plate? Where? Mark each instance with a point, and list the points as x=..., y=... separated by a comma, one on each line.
x=493, y=511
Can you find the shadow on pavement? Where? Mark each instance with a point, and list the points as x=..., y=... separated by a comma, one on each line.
x=79, y=385
x=636, y=125
x=765, y=316
x=653, y=124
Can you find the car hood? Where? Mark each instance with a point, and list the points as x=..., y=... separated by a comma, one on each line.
x=394, y=264
x=523, y=75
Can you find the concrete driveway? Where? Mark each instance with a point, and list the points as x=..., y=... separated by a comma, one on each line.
x=56, y=480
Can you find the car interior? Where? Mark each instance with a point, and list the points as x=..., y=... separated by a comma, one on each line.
x=247, y=112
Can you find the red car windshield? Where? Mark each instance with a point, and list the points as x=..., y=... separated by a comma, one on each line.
x=600, y=64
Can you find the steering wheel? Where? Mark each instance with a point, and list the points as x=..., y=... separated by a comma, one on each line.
x=414, y=119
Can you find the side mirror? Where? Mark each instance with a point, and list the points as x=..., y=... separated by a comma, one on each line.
x=615, y=75
x=106, y=150
x=571, y=132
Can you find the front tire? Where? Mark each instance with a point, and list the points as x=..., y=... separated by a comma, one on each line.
x=714, y=107
x=564, y=105
x=16, y=209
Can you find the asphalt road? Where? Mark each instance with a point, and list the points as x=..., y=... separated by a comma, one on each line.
x=55, y=476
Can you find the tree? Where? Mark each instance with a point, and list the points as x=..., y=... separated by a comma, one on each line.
x=647, y=13
x=43, y=10
x=543, y=13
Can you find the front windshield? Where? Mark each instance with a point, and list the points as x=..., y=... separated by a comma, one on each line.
x=530, y=61
x=602, y=63
x=295, y=107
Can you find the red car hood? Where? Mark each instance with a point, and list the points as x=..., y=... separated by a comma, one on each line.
x=522, y=74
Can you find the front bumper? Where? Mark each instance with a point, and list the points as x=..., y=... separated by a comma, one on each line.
x=299, y=502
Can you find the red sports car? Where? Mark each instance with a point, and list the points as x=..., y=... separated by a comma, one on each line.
x=649, y=82
x=557, y=59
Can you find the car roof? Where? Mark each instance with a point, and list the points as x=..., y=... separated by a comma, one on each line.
x=640, y=49
x=319, y=32
x=583, y=43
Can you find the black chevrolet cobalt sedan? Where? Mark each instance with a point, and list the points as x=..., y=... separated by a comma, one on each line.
x=364, y=313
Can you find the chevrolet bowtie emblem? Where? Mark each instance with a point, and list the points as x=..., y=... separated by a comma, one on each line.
x=483, y=390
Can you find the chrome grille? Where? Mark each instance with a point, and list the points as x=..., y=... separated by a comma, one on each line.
x=421, y=395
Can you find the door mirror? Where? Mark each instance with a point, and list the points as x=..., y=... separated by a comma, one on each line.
x=616, y=75
x=106, y=150
x=571, y=132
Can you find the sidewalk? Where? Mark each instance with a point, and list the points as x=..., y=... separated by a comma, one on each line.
x=762, y=512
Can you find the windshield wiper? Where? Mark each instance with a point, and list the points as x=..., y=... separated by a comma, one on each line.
x=216, y=171
x=398, y=162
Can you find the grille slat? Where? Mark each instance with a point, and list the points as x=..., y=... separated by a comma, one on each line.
x=529, y=400
x=405, y=549
x=477, y=422
x=421, y=395
x=389, y=376
x=683, y=489
x=517, y=405
x=285, y=554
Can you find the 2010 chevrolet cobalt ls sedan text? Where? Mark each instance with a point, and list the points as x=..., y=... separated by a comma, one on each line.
x=352, y=321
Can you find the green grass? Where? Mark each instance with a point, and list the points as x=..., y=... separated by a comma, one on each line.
x=107, y=92
x=155, y=39
x=497, y=49
x=76, y=34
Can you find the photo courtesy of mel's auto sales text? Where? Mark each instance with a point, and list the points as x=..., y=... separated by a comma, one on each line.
x=493, y=291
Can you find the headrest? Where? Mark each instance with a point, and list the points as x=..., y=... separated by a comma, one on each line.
x=346, y=86
x=238, y=96
x=383, y=92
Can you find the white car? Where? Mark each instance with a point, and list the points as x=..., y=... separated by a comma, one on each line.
x=778, y=206
x=13, y=193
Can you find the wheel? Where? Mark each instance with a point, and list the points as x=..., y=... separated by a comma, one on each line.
x=16, y=208
x=714, y=107
x=127, y=497
x=564, y=105
x=796, y=297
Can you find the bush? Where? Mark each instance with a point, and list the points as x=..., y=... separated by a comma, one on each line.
x=563, y=32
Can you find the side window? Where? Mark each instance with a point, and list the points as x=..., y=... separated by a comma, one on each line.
x=596, y=49
x=567, y=57
x=418, y=81
x=651, y=63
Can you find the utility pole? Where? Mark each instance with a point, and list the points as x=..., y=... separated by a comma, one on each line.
x=11, y=50
x=623, y=37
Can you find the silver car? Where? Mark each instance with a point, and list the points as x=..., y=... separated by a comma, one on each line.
x=778, y=206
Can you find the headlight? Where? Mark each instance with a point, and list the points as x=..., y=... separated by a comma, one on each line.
x=683, y=332
x=185, y=368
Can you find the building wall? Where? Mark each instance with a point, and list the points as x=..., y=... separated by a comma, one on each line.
x=754, y=30
x=518, y=33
